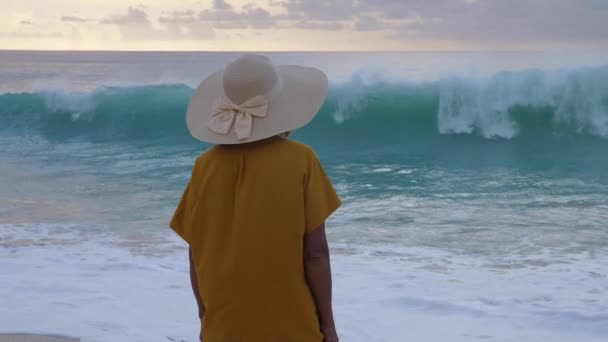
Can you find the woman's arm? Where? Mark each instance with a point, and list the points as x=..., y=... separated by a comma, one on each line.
x=194, y=283
x=318, y=275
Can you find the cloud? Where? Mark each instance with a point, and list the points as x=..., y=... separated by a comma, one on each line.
x=325, y=10
x=362, y=15
x=393, y=19
x=221, y=5
x=23, y=35
x=459, y=19
x=134, y=16
x=178, y=17
x=178, y=25
x=515, y=20
x=231, y=25
x=260, y=18
x=221, y=15
x=73, y=19
x=306, y=15
x=186, y=25
x=319, y=25
x=134, y=25
x=250, y=16
x=369, y=23
x=491, y=19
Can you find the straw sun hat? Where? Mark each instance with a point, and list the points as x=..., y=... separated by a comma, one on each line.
x=251, y=99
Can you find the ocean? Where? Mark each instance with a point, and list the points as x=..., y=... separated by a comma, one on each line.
x=475, y=190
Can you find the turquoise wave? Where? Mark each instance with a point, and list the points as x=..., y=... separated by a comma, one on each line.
x=143, y=112
x=529, y=105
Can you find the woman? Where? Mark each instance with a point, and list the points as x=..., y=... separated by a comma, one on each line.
x=254, y=210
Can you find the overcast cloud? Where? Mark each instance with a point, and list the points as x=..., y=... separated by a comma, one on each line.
x=420, y=19
x=136, y=25
x=73, y=19
x=310, y=23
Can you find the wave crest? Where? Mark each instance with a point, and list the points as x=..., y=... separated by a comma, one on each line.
x=507, y=105
x=577, y=99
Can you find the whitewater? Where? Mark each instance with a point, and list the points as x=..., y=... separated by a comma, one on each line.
x=475, y=190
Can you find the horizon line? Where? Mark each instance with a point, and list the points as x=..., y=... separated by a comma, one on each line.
x=462, y=50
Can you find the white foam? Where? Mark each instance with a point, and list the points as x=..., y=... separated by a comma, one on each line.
x=382, y=170
x=483, y=105
x=95, y=289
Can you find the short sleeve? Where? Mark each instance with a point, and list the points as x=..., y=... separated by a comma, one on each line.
x=181, y=222
x=320, y=198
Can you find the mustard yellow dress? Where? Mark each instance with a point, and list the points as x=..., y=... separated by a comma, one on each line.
x=244, y=214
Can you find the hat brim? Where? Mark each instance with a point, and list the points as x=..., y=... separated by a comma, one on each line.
x=299, y=99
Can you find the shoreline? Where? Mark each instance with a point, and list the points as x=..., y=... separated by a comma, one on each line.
x=103, y=289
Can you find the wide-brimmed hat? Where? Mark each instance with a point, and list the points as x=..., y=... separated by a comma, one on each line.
x=251, y=99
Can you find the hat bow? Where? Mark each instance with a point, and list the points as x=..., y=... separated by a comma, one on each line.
x=227, y=114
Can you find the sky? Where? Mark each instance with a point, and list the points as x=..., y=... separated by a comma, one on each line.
x=276, y=25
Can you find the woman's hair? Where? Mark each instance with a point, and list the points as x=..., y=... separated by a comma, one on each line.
x=285, y=134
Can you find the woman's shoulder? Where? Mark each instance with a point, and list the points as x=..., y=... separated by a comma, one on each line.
x=205, y=156
x=291, y=148
x=270, y=145
x=298, y=146
x=300, y=151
